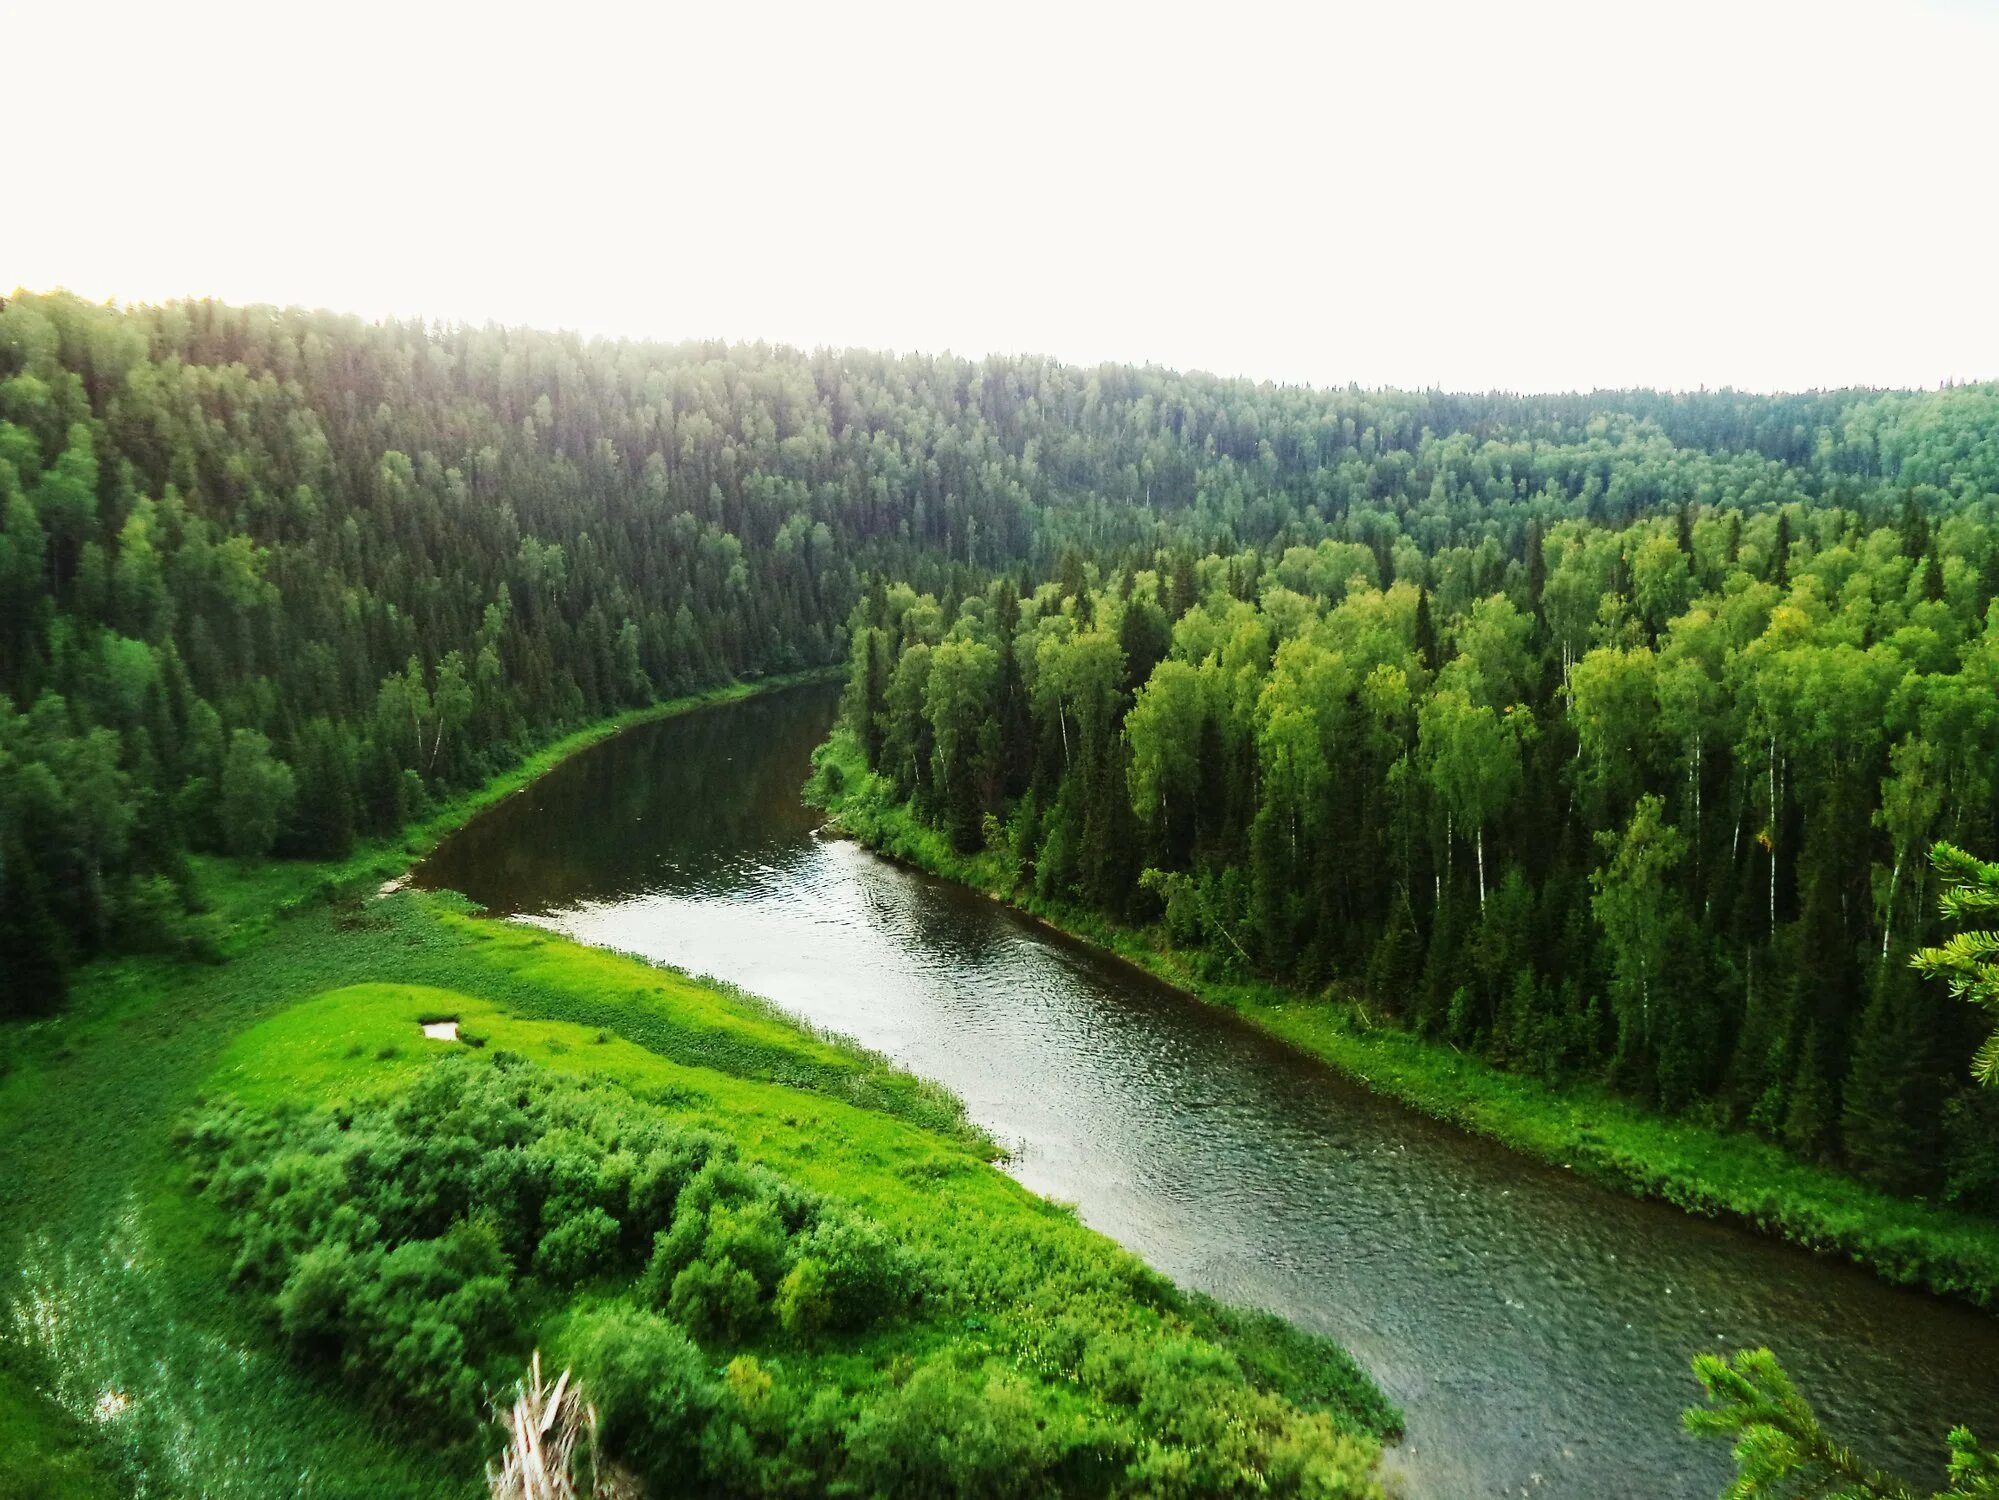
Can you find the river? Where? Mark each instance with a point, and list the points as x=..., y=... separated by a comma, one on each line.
x=1534, y=1329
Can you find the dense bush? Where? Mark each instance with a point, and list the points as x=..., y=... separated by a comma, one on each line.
x=949, y=1434
x=746, y=1249
x=654, y=1392
x=404, y=1242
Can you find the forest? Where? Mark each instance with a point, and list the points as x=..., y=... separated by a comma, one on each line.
x=1582, y=734
x=274, y=580
x=1607, y=738
x=1649, y=802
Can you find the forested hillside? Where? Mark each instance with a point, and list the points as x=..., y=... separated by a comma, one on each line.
x=1645, y=799
x=270, y=580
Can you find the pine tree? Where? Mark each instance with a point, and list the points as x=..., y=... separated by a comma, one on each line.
x=1915, y=528
x=33, y=953
x=1932, y=576
x=1888, y=1117
x=1397, y=963
x=1780, y=1448
x=1969, y=962
x=1426, y=632
x=1811, y=1117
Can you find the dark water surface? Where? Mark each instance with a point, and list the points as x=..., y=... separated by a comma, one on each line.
x=1535, y=1329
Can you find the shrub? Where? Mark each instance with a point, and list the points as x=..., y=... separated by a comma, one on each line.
x=803, y=1303
x=653, y=1392
x=952, y=1436
x=312, y=1304
x=745, y=1245
x=580, y=1246
x=863, y=1275
x=659, y=1176
x=717, y=1300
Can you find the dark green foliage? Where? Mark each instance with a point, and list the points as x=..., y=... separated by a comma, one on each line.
x=1971, y=1150
x=256, y=795
x=34, y=950
x=845, y=1274
x=746, y=1250
x=1780, y=1448
x=580, y=1244
x=1890, y=1113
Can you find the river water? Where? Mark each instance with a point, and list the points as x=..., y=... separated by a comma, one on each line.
x=1534, y=1329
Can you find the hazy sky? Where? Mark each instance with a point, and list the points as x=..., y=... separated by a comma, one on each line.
x=1533, y=196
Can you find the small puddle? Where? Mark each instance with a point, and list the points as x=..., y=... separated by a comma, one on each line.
x=441, y=1031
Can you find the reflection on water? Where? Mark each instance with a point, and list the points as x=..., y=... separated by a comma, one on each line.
x=1534, y=1329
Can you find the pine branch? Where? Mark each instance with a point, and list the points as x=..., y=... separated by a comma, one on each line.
x=1781, y=1451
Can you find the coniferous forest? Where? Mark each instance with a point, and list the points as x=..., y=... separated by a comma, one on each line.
x=1603, y=737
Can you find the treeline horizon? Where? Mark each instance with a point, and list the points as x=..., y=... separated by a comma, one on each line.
x=272, y=581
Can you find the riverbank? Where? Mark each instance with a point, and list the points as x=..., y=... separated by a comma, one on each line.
x=246, y=893
x=1727, y=1176
x=97, y=1067
x=129, y=1358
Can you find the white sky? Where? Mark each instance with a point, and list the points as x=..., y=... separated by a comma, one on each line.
x=1533, y=196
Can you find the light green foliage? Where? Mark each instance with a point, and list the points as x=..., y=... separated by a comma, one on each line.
x=1639, y=912
x=1493, y=641
x=1164, y=729
x=257, y=793
x=1660, y=583
x=1780, y=1448
x=1614, y=702
x=958, y=698
x=1718, y=722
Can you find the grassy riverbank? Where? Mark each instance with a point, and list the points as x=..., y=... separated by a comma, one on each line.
x=132, y=1363
x=1719, y=1174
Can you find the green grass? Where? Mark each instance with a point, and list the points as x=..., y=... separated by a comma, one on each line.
x=116, y=1276
x=1012, y=1260
x=325, y=1051
x=1720, y=1174
x=45, y=1453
